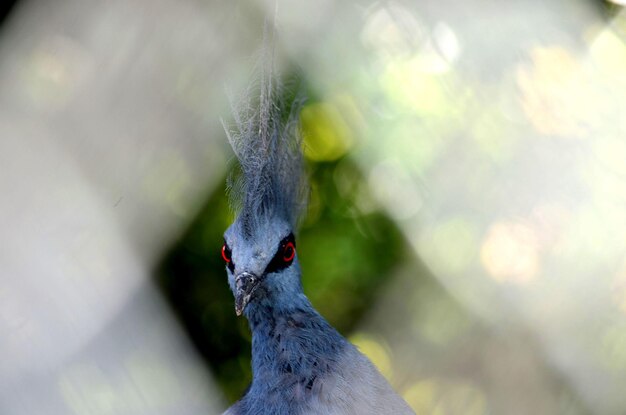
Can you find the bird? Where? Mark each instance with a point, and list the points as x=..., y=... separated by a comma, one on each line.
x=300, y=363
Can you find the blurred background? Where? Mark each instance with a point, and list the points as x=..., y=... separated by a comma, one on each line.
x=467, y=225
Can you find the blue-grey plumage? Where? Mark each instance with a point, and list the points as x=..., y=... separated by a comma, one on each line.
x=300, y=363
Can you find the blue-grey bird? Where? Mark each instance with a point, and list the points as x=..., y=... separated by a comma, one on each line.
x=300, y=363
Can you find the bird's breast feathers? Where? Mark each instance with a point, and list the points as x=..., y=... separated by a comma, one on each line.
x=353, y=386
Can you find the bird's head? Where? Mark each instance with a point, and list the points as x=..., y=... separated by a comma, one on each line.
x=269, y=193
x=263, y=266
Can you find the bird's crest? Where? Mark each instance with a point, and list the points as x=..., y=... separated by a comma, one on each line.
x=266, y=139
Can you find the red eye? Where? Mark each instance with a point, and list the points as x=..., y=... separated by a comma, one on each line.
x=289, y=252
x=225, y=253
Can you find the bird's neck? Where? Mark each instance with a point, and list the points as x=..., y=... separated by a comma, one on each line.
x=278, y=330
x=264, y=315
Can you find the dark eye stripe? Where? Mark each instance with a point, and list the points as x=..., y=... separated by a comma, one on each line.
x=278, y=262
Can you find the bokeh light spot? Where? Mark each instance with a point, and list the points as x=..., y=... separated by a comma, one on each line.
x=327, y=134
x=410, y=87
x=435, y=397
x=422, y=397
x=451, y=247
x=446, y=42
x=393, y=31
x=510, y=253
x=555, y=93
x=608, y=51
x=377, y=352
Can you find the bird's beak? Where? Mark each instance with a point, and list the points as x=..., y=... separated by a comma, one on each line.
x=245, y=285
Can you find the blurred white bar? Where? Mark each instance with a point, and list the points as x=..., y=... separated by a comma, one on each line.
x=110, y=140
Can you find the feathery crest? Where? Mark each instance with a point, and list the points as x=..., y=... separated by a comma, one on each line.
x=267, y=141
